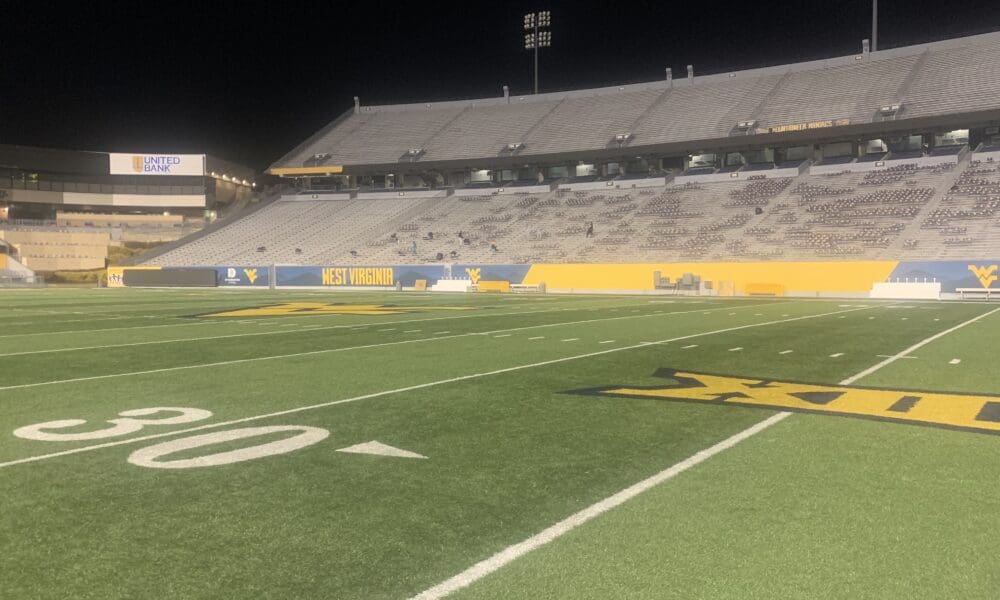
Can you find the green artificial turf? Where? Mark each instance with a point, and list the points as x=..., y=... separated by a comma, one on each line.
x=816, y=506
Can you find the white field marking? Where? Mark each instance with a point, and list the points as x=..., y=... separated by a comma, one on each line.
x=150, y=456
x=571, y=339
x=905, y=318
x=189, y=322
x=954, y=361
x=379, y=449
x=607, y=342
x=736, y=349
x=441, y=333
x=389, y=329
x=890, y=356
x=689, y=346
x=916, y=346
x=731, y=314
x=419, y=386
x=937, y=319
x=441, y=336
x=538, y=337
x=784, y=315
x=65, y=332
x=870, y=318
x=513, y=552
x=758, y=314
x=841, y=317
x=836, y=355
x=413, y=331
x=786, y=351
x=502, y=335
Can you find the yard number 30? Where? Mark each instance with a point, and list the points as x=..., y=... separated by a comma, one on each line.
x=130, y=422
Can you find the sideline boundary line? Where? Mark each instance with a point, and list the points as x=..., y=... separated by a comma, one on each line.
x=271, y=320
x=511, y=553
x=435, y=337
x=409, y=388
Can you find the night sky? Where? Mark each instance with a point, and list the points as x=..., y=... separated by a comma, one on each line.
x=247, y=81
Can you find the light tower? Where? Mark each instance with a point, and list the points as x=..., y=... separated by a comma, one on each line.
x=536, y=25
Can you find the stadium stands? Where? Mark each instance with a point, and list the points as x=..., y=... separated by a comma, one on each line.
x=942, y=78
x=857, y=215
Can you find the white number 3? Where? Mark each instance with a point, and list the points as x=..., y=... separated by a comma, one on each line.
x=126, y=425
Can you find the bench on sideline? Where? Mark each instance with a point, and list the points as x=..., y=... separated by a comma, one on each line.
x=974, y=291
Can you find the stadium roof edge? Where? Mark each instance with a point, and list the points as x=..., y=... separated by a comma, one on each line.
x=985, y=38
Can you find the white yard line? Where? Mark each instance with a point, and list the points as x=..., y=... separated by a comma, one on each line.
x=192, y=321
x=916, y=346
x=346, y=327
x=374, y=394
x=511, y=553
x=441, y=335
x=515, y=551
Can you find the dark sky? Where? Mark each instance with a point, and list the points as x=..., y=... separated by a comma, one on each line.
x=247, y=81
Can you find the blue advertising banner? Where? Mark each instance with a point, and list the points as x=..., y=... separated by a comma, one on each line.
x=512, y=273
x=242, y=276
x=952, y=274
x=336, y=276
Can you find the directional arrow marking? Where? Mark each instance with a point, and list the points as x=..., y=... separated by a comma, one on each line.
x=380, y=449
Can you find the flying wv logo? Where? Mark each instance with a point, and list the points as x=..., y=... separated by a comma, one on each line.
x=985, y=274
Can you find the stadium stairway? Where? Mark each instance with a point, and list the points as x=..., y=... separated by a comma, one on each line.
x=914, y=227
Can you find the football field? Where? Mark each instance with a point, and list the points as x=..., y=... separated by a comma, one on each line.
x=299, y=445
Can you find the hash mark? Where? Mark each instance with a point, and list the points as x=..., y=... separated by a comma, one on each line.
x=736, y=349
x=954, y=361
x=837, y=355
x=688, y=347
x=786, y=352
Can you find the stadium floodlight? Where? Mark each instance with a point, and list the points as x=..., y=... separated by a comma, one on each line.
x=538, y=37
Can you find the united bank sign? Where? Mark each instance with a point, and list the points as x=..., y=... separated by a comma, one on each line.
x=157, y=164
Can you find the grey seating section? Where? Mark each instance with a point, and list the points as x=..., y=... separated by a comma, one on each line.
x=941, y=78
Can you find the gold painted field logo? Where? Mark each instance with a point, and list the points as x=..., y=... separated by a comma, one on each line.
x=956, y=411
x=474, y=275
x=251, y=275
x=137, y=164
x=985, y=274
x=321, y=308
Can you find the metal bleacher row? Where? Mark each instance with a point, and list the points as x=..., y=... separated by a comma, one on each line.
x=942, y=78
x=904, y=211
